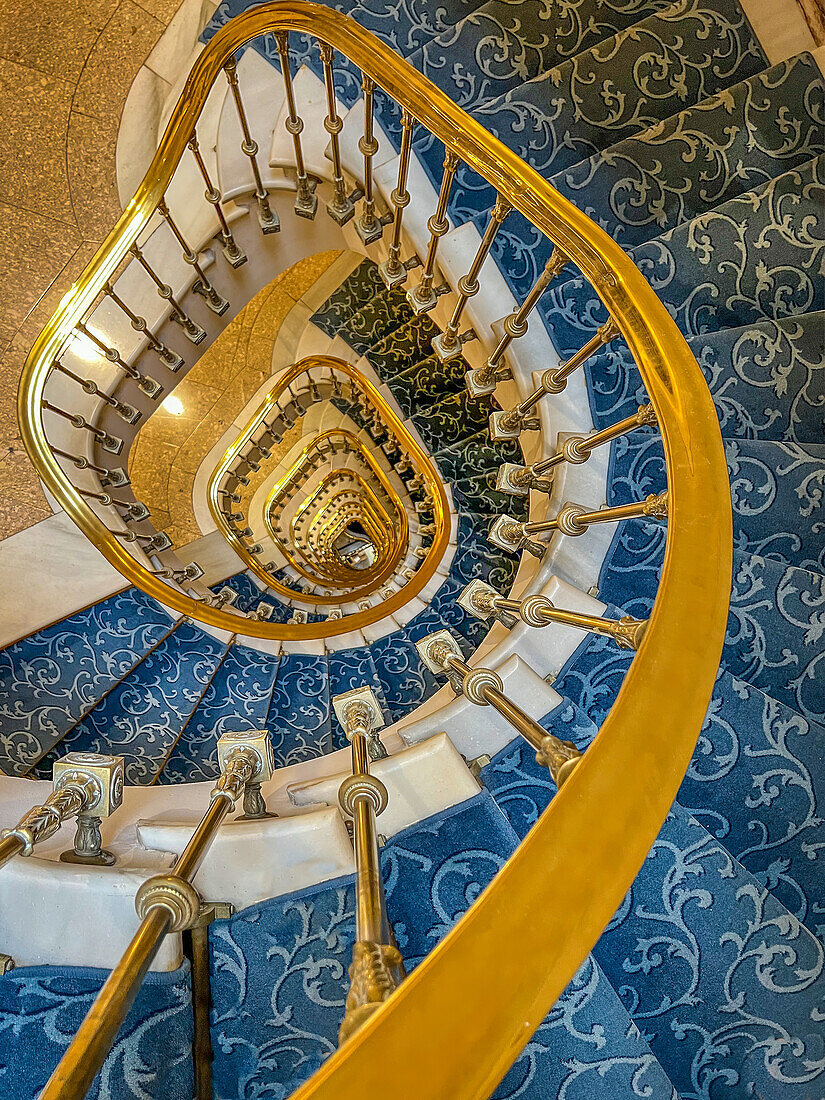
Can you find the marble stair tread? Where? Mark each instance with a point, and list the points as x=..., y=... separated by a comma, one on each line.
x=250, y=861
x=142, y=717
x=349, y=669
x=559, y=117
x=460, y=718
x=51, y=679
x=422, y=780
x=753, y=266
x=299, y=716
x=775, y=491
x=766, y=379
x=236, y=700
x=385, y=312
x=359, y=288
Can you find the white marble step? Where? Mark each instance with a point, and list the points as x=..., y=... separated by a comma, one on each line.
x=475, y=730
x=421, y=781
x=250, y=861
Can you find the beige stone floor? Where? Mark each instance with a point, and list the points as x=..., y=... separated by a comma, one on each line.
x=66, y=67
x=172, y=444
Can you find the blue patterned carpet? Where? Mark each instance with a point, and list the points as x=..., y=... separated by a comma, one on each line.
x=665, y=123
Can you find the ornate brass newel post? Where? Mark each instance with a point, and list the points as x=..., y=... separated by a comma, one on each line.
x=306, y=201
x=510, y=423
x=441, y=653
x=482, y=601
x=484, y=379
x=422, y=298
x=164, y=903
x=518, y=480
x=88, y=786
x=448, y=345
x=377, y=967
x=572, y=520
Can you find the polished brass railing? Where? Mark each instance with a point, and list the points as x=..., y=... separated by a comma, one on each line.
x=456, y=1024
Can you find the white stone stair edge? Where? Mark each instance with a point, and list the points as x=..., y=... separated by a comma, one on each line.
x=250, y=861
x=421, y=780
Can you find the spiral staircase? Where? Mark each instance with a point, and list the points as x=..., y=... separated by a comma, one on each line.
x=474, y=603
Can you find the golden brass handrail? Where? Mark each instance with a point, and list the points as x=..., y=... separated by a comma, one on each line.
x=457, y=1023
x=420, y=457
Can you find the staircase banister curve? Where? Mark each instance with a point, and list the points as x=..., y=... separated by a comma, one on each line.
x=460, y=1019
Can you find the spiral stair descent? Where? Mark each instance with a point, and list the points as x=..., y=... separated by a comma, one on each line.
x=708, y=982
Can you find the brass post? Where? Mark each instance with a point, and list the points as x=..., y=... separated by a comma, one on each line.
x=109, y=443
x=148, y=385
x=441, y=653
x=203, y=286
x=448, y=345
x=422, y=298
x=377, y=967
x=393, y=272
x=126, y=412
x=267, y=218
x=341, y=208
x=170, y=359
x=484, y=379
x=306, y=201
x=368, y=226
x=233, y=253
x=164, y=903
x=193, y=332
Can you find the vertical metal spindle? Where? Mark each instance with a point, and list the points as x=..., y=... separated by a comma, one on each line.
x=267, y=217
x=202, y=285
x=108, y=442
x=448, y=345
x=231, y=250
x=170, y=359
x=422, y=298
x=341, y=209
x=150, y=386
x=484, y=379
x=393, y=272
x=191, y=330
x=306, y=201
x=368, y=226
x=126, y=412
x=115, y=478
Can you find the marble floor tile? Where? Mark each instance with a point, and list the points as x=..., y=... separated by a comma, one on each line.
x=90, y=145
x=32, y=250
x=54, y=36
x=115, y=59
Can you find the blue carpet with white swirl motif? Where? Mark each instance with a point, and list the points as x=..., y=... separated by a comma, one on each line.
x=709, y=983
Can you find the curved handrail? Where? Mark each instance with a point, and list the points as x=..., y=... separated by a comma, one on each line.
x=428, y=470
x=496, y=974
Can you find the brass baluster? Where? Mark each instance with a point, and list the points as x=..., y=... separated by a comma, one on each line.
x=573, y=519
x=134, y=510
x=482, y=601
x=126, y=412
x=231, y=250
x=150, y=386
x=393, y=272
x=369, y=227
x=86, y=785
x=170, y=359
x=484, y=379
x=440, y=652
x=510, y=423
x=202, y=284
x=115, y=478
x=165, y=903
x=423, y=297
x=341, y=209
x=576, y=449
x=107, y=441
x=192, y=331
x=152, y=544
x=447, y=346
x=377, y=967
x=306, y=201
x=267, y=218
